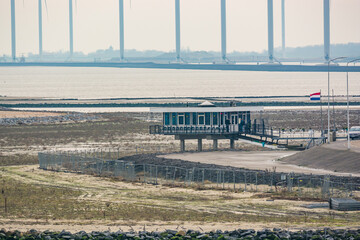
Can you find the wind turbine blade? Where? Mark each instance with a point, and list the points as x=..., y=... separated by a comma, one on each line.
x=130, y=4
x=46, y=9
x=75, y=6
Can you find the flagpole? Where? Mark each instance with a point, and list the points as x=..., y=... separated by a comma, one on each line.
x=321, y=116
x=334, y=110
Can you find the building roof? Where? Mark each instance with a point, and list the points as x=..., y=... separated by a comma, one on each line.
x=207, y=109
x=207, y=104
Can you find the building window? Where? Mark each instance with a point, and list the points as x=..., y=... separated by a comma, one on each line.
x=215, y=118
x=194, y=119
x=207, y=119
x=201, y=118
x=173, y=117
x=181, y=119
x=187, y=118
x=167, y=118
x=221, y=118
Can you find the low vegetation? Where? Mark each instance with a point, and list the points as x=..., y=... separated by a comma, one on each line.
x=20, y=144
x=30, y=193
x=105, y=130
x=18, y=159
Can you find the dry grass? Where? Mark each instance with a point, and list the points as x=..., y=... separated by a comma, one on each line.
x=18, y=159
x=126, y=131
x=54, y=134
x=48, y=196
x=73, y=198
x=20, y=144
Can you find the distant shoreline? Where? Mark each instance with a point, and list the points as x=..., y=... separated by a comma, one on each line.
x=148, y=105
x=266, y=67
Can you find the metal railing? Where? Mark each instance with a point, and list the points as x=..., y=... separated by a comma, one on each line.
x=256, y=129
x=169, y=130
x=209, y=178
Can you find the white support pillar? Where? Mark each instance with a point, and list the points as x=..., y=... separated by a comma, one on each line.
x=283, y=27
x=71, y=29
x=326, y=30
x=270, y=31
x=223, y=30
x=13, y=35
x=232, y=144
x=121, y=26
x=40, y=28
x=199, y=145
x=215, y=144
x=182, y=145
x=177, y=29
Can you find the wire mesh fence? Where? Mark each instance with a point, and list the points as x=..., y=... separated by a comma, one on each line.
x=106, y=164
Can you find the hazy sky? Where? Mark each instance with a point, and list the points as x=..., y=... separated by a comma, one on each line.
x=150, y=24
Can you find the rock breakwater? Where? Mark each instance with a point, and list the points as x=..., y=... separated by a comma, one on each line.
x=275, y=233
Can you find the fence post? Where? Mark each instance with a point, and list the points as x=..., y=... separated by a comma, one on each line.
x=167, y=173
x=156, y=173
x=203, y=176
x=351, y=185
x=174, y=175
x=144, y=173
x=245, y=181
x=256, y=181
x=223, y=179
x=151, y=176
x=234, y=180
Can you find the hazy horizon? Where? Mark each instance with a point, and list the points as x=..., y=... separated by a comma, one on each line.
x=149, y=25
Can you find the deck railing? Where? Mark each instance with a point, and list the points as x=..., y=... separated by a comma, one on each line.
x=258, y=130
x=170, y=130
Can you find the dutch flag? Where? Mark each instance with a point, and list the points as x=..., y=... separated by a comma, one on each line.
x=315, y=96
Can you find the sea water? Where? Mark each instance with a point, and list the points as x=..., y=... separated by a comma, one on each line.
x=95, y=83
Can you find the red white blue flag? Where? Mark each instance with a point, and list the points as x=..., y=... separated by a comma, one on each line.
x=315, y=96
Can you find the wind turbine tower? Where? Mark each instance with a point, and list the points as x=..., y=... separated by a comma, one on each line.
x=283, y=26
x=71, y=27
x=270, y=31
x=121, y=24
x=223, y=30
x=40, y=29
x=326, y=30
x=13, y=39
x=177, y=29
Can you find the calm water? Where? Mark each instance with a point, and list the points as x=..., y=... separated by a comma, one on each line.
x=60, y=82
